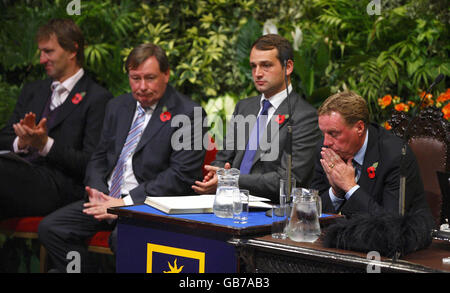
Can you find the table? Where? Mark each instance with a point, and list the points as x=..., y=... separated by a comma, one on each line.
x=268, y=255
x=149, y=240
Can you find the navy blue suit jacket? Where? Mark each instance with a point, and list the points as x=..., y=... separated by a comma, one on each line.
x=380, y=193
x=159, y=169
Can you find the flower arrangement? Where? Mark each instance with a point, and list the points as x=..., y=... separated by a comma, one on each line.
x=389, y=104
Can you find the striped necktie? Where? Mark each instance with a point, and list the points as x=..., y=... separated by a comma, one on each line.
x=253, y=142
x=131, y=142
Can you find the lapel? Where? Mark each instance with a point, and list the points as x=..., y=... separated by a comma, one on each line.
x=125, y=116
x=252, y=108
x=155, y=123
x=68, y=106
x=270, y=137
x=40, y=100
x=372, y=156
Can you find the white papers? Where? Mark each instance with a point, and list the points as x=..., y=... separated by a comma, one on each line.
x=191, y=204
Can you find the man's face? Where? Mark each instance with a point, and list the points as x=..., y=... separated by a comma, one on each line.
x=55, y=59
x=267, y=71
x=343, y=139
x=147, y=82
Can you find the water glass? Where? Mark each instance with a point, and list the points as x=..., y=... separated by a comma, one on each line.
x=279, y=221
x=285, y=192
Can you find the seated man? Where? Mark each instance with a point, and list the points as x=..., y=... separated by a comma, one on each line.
x=69, y=107
x=358, y=165
x=136, y=157
x=263, y=161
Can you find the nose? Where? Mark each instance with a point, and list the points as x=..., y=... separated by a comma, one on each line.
x=142, y=84
x=43, y=58
x=257, y=71
x=327, y=140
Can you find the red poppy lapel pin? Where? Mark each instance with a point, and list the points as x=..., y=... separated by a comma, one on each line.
x=77, y=98
x=165, y=115
x=371, y=170
x=281, y=118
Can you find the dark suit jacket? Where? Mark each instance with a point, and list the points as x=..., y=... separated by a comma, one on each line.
x=380, y=193
x=159, y=169
x=76, y=130
x=266, y=172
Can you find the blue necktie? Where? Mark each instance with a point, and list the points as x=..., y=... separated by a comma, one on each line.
x=131, y=142
x=253, y=142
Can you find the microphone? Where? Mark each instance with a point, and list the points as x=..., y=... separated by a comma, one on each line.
x=289, y=135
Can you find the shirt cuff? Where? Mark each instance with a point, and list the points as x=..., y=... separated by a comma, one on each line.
x=47, y=147
x=336, y=201
x=128, y=200
x=16, y=147
x=351, y=191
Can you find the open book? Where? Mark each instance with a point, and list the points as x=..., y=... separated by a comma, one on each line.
x=194, y=204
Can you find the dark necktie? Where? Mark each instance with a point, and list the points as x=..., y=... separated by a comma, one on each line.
x=357, y=167
x=253, y=142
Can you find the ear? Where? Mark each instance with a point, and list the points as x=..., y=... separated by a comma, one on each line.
x=289, y=66
x=167, y=75
x=359, y=127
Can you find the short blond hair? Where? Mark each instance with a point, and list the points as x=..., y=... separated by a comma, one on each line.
x=351, y=106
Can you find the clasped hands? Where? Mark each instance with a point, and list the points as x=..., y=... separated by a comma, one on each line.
x=209, y=183
x=29, y=134
x=340, y=174
x=99, y=203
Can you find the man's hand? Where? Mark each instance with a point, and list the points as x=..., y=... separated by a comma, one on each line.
x=99, y=203
x=209, y=183
x=29, y=134
x=340, y=174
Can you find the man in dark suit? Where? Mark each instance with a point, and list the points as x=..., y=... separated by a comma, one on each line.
x=69, y=107
x=358, y=165
x=262, y=165
x=139, y=154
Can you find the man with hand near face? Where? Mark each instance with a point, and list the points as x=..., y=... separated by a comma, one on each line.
x=262, y=165
x=55, y=127
x=357, y=168
x=135, y=158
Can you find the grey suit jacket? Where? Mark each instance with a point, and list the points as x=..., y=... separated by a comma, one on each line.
x=270, y=162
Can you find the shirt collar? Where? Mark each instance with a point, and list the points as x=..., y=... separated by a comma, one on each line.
x=70, y=83
x=150, y=109
x=359, y=156
x=278, y=98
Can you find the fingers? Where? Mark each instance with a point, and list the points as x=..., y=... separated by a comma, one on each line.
x=29, y=120
x=205, y=187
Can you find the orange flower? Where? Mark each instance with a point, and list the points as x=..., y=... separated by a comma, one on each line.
x=411, y=104
x=385, y=101
x=446, y=111
x=443, y=97
x=387, y=125
x=402, y=107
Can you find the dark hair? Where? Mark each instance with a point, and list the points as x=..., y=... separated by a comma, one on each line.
x=144, y=51
x=68, y=34
x=351, y=106
x=273, y=41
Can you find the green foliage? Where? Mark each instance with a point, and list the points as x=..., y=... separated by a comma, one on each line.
x=208, y=43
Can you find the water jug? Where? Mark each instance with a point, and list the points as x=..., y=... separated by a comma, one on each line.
x=304, y=222
x=227, y=186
